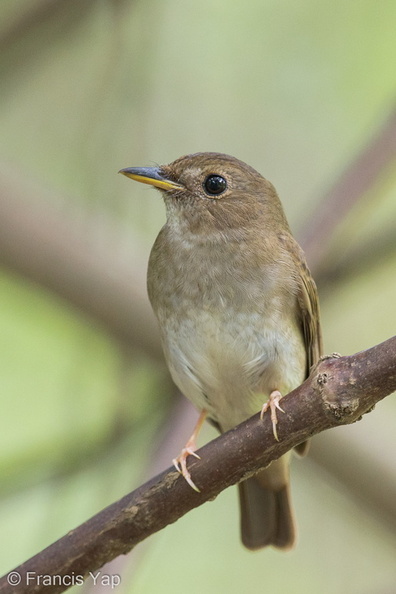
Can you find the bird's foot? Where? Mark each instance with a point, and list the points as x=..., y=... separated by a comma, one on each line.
x=272, y=404
x=180, y=463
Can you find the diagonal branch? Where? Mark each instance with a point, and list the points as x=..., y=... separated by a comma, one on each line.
x=358, y=177
x=61, y=253
x=55, y=250
x=338, y=392
x=29, y=18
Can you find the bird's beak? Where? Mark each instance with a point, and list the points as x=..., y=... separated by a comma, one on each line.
x=152, y=176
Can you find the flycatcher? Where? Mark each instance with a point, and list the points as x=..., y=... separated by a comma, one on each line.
x=238, y=313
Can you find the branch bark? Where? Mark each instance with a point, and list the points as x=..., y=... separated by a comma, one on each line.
x=338, y=392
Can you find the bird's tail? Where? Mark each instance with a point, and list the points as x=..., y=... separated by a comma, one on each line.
x=266, y=514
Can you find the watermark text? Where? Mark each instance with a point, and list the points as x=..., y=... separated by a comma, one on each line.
x=32, y=578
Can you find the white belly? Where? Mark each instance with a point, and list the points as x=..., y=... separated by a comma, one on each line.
x=229, y=363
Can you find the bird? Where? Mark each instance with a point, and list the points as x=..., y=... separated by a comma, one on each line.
x=238, y=314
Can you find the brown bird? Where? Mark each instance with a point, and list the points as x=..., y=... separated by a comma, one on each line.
x=238, y=313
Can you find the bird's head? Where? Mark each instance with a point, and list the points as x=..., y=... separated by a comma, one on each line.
x=212, y=191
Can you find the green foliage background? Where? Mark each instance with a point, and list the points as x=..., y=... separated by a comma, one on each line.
x=295, y=89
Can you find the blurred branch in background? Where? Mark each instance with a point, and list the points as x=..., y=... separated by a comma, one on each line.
x=55, y=249
x=87, y=85
x=62, y=252
x=358, y=259
x=368, y=468
x=339, y=391
x=59, y=16
x=352, y=185
x=65, y=253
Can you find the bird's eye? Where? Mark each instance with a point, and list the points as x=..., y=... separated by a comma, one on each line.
x=215, y=185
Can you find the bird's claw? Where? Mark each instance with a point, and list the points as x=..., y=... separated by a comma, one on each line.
x=272, y=404
x=180, y=463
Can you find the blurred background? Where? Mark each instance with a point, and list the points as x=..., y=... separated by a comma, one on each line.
x=305, y=92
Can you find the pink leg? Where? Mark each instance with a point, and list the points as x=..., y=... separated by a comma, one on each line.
x=180, y=462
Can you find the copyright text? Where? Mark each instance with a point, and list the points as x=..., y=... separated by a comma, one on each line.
x=31, y=578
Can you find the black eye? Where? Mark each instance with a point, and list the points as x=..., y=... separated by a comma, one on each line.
x=215, y=184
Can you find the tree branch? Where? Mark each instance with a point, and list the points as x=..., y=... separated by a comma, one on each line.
x=60, y=15
x=361, y=460
x=62, y=253
x=356, y=260
x=359, y=176
x=338, y=392
x=56, y=250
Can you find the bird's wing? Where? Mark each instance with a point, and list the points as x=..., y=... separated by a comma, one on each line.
x=309, y=314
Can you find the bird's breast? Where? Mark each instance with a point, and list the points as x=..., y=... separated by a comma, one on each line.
x=229, y=336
